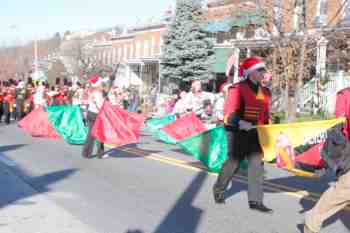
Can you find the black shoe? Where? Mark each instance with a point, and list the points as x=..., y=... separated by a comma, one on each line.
x=259, y=206
x=219, y=198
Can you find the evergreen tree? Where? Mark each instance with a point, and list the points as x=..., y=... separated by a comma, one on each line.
x=188, y=51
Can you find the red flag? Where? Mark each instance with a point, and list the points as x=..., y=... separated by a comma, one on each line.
x=116, y=126
x=37, y=124
x=312, y=156
x=184, y=127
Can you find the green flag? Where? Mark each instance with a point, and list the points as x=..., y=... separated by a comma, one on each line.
x=210, y=147
x=67, y=120
x=154, y=126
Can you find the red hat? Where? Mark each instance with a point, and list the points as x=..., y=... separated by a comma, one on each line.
x=95, y=80
x=250, y=65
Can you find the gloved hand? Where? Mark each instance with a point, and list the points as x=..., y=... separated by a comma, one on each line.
x=245, y=125
x=319, y=173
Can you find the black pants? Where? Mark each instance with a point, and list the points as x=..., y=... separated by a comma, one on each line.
x=7, y=113
x=243, y=145
x=19, y=109
x=1, y=110
x=90, y=141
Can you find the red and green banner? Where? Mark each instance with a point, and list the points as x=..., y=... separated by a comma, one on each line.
x=65, y=121
x=115, y=126
x=68, y=121
x=184, y=127
x=37, y=124
x=155, y=125
x=209, y=147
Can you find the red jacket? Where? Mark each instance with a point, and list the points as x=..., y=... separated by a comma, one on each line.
x=249, y=102
x=342, y=109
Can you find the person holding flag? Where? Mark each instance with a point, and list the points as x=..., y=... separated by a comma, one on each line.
x=247, y=105
x=95, y=103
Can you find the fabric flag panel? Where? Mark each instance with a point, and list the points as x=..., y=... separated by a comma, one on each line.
x=184, y=127
x=37, y=124
x=155, y=125
x=68, y=121
x=296, y=144
x=210, y=147
x=117, y=127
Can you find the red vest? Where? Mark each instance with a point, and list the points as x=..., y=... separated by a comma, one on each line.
x=342, y=109
x=248, y=104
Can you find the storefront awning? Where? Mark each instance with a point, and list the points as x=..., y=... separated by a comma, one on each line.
x=221, y=57
x=141, y=61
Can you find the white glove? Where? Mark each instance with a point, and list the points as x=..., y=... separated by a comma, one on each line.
x=245, y=125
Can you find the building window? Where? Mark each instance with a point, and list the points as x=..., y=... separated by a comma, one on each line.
x=138, y=49
x=119, y=54
x=321, y=16
x=125, y=52
x=104, y=57
x=161, y=45
x=153, y=41
x=114, y=60
x=146, y=49
x=131, y=50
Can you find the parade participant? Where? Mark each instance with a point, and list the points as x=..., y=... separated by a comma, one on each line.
x=246, y=105
x=196, y=98
x=95, y=102
x=29, y=104
x=39, y=97
x=52, y=96
x=180, y=105
x=20, y=99
x=342, y=109
x=8, y=104
x=336, y=154
x=115, y=96
x=1, y=100
x=220, y=102
x=66, y=95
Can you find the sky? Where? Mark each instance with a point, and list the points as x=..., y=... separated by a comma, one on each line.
x=24, y=20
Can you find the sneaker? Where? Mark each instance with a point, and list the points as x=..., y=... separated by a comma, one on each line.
x=103, y=156
x=219, y=198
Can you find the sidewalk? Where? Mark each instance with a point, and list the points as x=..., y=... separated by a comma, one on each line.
x=23, y=210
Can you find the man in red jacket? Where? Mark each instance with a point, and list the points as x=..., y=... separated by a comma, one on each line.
x=247, y=105
x=342, y=109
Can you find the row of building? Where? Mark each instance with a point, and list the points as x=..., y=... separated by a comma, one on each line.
x=238, y=26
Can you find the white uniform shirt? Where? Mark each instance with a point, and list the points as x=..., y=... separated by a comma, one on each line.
x=194, y=102
x=95, y=101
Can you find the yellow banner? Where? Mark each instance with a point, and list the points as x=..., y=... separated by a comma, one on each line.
x=292, y=135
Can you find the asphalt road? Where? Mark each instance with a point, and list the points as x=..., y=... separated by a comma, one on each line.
x=154, y=188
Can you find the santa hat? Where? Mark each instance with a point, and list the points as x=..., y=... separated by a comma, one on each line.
x=250, y=65
x=95, y=80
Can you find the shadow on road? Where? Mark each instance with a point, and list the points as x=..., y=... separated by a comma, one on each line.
x=10, y=147
x=310, y=184
x=14, y=189
x=184, y=217
x=121, y=152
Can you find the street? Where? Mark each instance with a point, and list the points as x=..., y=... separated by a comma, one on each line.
x=150, y=187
